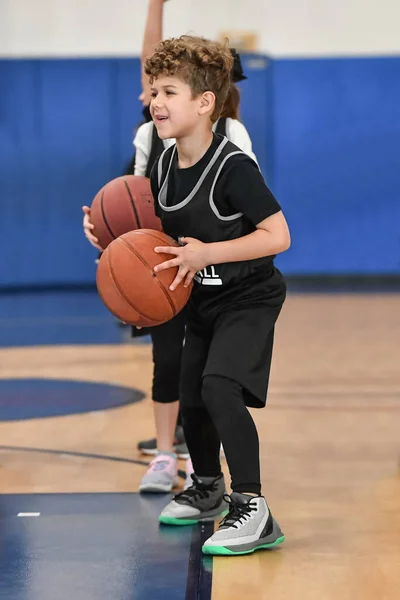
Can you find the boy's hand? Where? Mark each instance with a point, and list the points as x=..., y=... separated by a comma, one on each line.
x=88, y=228
x=190, y=258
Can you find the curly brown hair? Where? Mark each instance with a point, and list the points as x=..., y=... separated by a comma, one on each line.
x=203, y=64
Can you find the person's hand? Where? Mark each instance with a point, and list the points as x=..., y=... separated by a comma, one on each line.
x=88, y=229
x=190, y=258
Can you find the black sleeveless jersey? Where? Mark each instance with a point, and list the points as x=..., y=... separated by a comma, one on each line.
x=198, y=216
x=157, y=146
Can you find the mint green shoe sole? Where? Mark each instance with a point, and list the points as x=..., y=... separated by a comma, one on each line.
x=174, y=521
x=223, y=551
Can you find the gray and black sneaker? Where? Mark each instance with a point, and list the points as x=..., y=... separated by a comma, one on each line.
x=149, y=447
x=247, y=527
x=200, y=502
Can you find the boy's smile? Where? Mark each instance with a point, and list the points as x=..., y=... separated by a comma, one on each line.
x=174, y=108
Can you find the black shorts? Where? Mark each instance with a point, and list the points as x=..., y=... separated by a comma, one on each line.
x=231, y=334
x=167, y=357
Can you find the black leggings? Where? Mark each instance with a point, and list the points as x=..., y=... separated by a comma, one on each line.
x=167, y=357
x=224, y=417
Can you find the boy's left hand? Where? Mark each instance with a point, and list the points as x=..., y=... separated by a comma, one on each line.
x=189, y=259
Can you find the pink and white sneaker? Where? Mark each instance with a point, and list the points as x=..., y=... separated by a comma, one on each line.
x=161, y=475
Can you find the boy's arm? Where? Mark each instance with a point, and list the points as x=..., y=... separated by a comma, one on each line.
x=271, y=237
x=244, y=190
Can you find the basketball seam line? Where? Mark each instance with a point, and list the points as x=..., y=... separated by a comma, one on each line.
x=98, y=289
x=112, y=277
x=133, y=205
x=162, y=287
x=151, y=233
x=104, y=216
x=122, y=293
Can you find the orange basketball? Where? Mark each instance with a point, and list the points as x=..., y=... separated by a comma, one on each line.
x=128, y=285
x=123, y=204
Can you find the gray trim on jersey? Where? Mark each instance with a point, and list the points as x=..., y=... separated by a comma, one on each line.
x=160, y=166
x=162, y=195
x=212, y=203
x=161, y=159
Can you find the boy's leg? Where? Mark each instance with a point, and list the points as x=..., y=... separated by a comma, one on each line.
x=236, y=376
x=167, y=355
x=201, y=434
x=204, y=500
x=237, y=372
x=199, y=427
x=224, y=401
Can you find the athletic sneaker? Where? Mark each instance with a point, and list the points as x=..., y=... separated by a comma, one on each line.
x=203, y=501
x=247, y=527
x=161, y=475
x=189, y=473
x=150, y=446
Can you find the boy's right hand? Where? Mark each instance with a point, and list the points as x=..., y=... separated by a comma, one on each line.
x=88, y=229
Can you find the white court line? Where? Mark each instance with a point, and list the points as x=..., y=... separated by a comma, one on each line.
x=28, y=514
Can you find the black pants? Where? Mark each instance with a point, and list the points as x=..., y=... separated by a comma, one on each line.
x=167, y=358
x=225, y=418
x=225, y=368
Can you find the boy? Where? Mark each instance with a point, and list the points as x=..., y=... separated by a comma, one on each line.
x=167, y=339
x=212, y=197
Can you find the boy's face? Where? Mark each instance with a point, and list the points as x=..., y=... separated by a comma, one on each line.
x=175, y=112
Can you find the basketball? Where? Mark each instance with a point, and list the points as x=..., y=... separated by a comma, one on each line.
x=128, y=285
x=123, y=204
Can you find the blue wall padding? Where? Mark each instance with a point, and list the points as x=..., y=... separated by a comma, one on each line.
x=326, y=132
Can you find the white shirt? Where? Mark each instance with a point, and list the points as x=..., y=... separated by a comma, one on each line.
x=236, y=132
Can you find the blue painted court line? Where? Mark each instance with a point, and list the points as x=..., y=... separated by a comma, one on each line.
x=199, y=581
x=38, y=398
x=95, y=547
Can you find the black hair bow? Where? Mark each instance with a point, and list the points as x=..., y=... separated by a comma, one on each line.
x=237, y=70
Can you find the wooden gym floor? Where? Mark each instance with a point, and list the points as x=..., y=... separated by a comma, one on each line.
x=74, y=402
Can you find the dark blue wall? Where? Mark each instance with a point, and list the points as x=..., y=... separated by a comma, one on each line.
x=336, y=156
x=65, y=129
x=327, y=134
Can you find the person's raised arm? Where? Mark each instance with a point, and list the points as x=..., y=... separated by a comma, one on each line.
x=152, y=35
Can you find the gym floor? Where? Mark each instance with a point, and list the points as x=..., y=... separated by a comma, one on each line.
x=74, y=402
